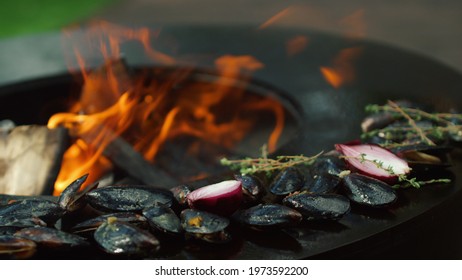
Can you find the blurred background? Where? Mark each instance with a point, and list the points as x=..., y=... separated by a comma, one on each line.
x=429, y=27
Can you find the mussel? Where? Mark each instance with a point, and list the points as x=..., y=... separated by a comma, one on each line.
x=423, y=156
x=69, y=194
x=368, y=191
x=92, y=224
x=52, y=238
x=11, y=225
x=163, y=219
x=180, y=193
x=330, y=163
x=120, y=238
x=205, y=226
x=287, y=181
x=318, y=206
x=47, y=211
x=321, y=183
x=268, y=216
x=252, y=188
x=12, y=247
x=128, y=198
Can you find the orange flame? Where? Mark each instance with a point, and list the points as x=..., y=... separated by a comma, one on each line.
x=342, y=71
x=274, y=18
x=296, y=45
x=148, y=112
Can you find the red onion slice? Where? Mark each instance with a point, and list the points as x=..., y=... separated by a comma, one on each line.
x=374, y=161
x=222, y=198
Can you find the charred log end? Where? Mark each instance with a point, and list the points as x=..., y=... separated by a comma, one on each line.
x=30, y=159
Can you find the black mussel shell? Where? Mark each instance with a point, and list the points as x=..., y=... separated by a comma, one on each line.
x=180, y=193
x=423, y=156
x=79, y=200
x=205, y=226
x=121, y=238
x=6, y=199
x=196, y=221
x=330, y=163
x=128, y=198
x=268, y=216
x=163, y=219
x=9, y=230
x=92, y=224
x=45, y=210
x=52, y=238
x=422, y=147
x=69, y=194
x=287, y=181
x=368, y=191
x=252, y=187
x=318, y=206
x=23, y=223
x=12, y=247
x=376, y=121
x=321, y=183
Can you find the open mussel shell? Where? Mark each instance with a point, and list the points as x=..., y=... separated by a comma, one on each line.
x=128, y=198
x=163, y=219
x=92, y=224
x=318, y=206
x=252, y=188
x=180, y=193
x=68, y=195
x=12, y=247
x=205, y=226
x=52, y=238
x=422, y=157
x=268, y=216
x=120, y=238
x=45, y=210
x=368, y=191
x=287, y=181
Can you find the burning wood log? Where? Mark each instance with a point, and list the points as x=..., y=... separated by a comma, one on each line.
x=126, y=158
x=30, y=159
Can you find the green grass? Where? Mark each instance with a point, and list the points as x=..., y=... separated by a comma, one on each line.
x=18, y=17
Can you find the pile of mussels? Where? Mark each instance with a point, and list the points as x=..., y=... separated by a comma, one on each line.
x=137, y=220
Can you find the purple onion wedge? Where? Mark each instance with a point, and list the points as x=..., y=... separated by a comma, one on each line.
x=222, y=198
x=374, y=161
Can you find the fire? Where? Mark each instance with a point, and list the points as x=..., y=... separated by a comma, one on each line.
x=296, y=45
x=149, y=111
x=342, y=71
x=275, y=18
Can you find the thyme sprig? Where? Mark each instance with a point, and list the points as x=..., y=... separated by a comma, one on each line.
x=265, y=164
x=413, y=182
x=444, y=124
x=416, y=114
x=411, y=122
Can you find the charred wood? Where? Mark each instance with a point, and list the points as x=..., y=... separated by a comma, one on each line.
x=30, y=159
